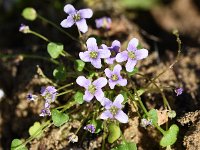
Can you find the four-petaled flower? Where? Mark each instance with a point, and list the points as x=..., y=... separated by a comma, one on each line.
x=49, y=93
x=115, y=77
x=93, y=89
x=104, y=22
x=90, y=127
x=132, y=55
x=113, y=109
x=114, y=49
x=77, y=17
x=94, y=54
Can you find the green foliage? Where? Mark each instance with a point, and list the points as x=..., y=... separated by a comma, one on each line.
x=135, y=70
x=15, y=145
x=55, y=49
x=29, y=13
x=97, y=124
x=59, y=118
x=125, y=95
x=34, y=128
x=78, y=97
x=138, y=4
x=79, y=65
x=171, y=114
x=170, y=136
x=114, y=132
x=152, y=114
x=126, y=146
x=60, y=73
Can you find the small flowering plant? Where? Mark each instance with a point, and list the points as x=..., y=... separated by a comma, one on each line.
x=100, y=89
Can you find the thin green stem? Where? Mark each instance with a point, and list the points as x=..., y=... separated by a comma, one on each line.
x=67, y=85
x=57, y=27
x=39, y=35
x=65, y=92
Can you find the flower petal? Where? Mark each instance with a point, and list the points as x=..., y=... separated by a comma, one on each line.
x=106, y=114
x=117, y=69
x=122, y=82
x=69, y=9
x=85, y=13
x=82, y=25
x=103, y=53
x=99, y=94
x=108, y=72
x=91, y=44
x=110, y=61
x=112, y=84
x=100, y=82
x=116, y=43
x=123, y=56
x=85, y=56
x=118, y=101
x=141, y=54
x=82, y=81
x=132, y=45
x=106, y=103
x=130, y=65
x=121, y=117
x=66, y=23
x=96, y=63
x=88, y=96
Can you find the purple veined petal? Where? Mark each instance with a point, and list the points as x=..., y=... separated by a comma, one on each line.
x=104, y=46
x=96, y=63
x=130, y=65
x=100, y=82
x=82, y=81
x=103, y=53
x=141, y=54
x=123, y=56
x=43, y=91
x=122, y=82
x=118, y=101
x=110, y=61
x=82, y=25
x=66, y=23
x=121, y=117
x=106, y=114
x=87, y=96
x=106, y=103
x=116, y=43
x=117, y=69
x=132, y=45
x=85, y=56
x=112, y=84
x=98, y=23
x=69, y=9
x=108, y=72
x=85, y=13
x=91, y=44
x=99, y=94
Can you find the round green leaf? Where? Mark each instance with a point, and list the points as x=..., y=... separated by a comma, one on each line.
x=60, y=73
x=114, y=133
x=152, y=114
x=58, y=117
x=34, y=128
x=15, y=145
x=54, y=49
x=126, y=146
x=79, y=65
x=29, y=13
x=170, y=136
x=78, y=97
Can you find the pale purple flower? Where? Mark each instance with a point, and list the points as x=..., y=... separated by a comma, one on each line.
x=92, y=89
x=24, y=28
x=113, y=109
x=31, y=97
x=114, y=49
x=94, y=54
x=104, y=22
x=49, y=93
x=131, y=55
x=115, y=77
x=178, y=91
x=45, y=112
x=90, y=127
x=144, y=122
x=76, y=17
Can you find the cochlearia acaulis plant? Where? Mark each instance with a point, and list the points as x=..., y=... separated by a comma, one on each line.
x=96, y=87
